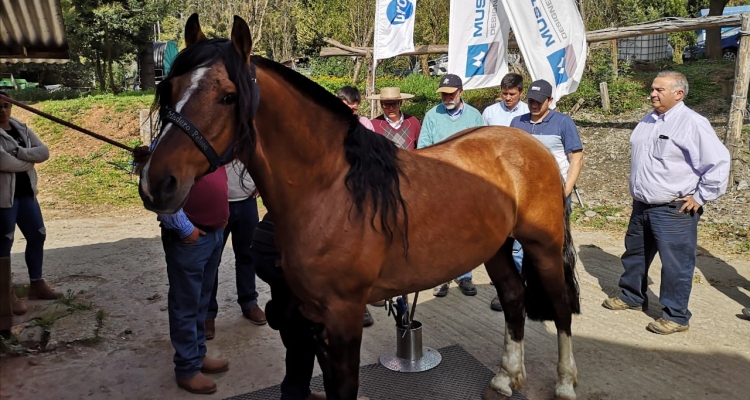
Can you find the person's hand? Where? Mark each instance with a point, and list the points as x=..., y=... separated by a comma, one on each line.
x=255, y=194
x=193, y=236
x=141, y=155
x=690, y=206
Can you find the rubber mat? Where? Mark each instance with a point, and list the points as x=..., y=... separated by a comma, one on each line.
x=459, y=376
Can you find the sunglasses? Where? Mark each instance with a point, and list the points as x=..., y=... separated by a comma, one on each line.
x=389, y=104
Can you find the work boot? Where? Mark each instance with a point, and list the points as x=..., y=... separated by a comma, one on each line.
x=210, y=328
x=440, y=291
x=198, y=384
x=255, y=315
x=467, y=286
x=368, y=318
x=214, y=365
x=17, y=307
x=496, y=305
x=615, y=303
x=38, y=290
x=664, y=326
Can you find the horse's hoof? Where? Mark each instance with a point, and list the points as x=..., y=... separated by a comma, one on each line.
x=492, y=394
x=565, y=392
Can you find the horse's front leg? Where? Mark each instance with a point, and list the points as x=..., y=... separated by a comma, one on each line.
x=339, y=351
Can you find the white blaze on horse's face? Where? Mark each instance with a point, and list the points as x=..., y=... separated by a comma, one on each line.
x=195, y=79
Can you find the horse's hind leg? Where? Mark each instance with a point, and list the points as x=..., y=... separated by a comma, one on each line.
x=512, y=374
x=343, y=333
x=551, y=277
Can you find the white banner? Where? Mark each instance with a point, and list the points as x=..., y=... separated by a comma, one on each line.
x=552, y=38
x=394, y=28
x=477, y=42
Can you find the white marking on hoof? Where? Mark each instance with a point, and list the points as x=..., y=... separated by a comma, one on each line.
x=567, y=372
x=512, y=375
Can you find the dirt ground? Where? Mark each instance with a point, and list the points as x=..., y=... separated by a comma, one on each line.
x=119, y=264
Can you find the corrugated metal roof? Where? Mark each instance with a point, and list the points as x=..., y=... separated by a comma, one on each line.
x=32, y=31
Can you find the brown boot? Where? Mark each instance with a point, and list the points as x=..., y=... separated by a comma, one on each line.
x=38, y=290
x=214, y=366
x=255, y=315
x=18, y=307
x=210, y=328
x=316, y=396
x=198, y=384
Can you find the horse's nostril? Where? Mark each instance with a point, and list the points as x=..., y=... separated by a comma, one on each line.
x=169, y=186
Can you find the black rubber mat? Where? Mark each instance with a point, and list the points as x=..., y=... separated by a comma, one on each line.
x=459, y=376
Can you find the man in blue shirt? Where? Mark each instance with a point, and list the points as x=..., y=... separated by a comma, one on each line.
x=555, y=130
x=452, y=115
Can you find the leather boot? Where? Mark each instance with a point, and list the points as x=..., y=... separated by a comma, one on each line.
x=17, y=307
x=198, y=384
x=214, y=366
x=316, y=396
x=210, y=328
x=38, y=290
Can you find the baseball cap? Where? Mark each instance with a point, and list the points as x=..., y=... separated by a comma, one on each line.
x=540, y=91
x=449, y=83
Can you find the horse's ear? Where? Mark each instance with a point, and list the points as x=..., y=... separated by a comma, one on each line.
x=241, y=39
x=193, y=32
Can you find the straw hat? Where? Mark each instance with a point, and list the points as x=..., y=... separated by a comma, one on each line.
x=390, y=93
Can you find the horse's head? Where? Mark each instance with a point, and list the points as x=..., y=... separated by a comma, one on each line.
x=206, y=107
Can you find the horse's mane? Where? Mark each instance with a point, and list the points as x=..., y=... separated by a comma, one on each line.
x=375, y=171
x=205, y=54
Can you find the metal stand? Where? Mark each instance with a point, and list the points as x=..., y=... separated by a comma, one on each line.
x=410, y=355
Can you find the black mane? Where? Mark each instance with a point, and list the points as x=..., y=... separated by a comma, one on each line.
x=375, y=171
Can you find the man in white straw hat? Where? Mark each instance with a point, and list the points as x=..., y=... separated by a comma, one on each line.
x=402, y=129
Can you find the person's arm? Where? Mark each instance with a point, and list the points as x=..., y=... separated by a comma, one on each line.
x=486, y=116
x=709, y=157
x=36, y=152
x=9, y=163
x=181, y=225
x=576, y=164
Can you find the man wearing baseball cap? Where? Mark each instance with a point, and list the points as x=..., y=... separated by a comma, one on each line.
x=555, y=130
x=452, y=115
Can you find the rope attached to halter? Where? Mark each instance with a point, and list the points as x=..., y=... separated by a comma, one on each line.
x=68, y=124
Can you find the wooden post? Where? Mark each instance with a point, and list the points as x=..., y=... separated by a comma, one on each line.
x=733, y=139
x=604, y=93
x=614, y=59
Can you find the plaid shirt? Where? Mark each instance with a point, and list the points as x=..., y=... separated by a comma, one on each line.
x=405, y=136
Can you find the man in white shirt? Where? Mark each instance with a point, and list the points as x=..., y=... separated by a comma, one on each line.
x=501, y=114
x=510, y=104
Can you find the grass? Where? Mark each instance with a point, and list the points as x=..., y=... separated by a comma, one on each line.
x=578, y=216
x=70, y=300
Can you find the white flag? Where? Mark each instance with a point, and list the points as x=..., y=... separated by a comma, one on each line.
x=394, y=28
x=477, y=42
x=552, y=38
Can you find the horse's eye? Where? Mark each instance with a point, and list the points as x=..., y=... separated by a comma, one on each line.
x=229, y=99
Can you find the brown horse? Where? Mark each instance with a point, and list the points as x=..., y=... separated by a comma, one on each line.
x=357, y=219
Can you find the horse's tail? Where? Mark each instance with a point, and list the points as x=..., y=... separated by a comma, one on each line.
x=539, y=306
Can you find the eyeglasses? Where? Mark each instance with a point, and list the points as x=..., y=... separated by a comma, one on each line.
x=390, y=104
x=5, y=106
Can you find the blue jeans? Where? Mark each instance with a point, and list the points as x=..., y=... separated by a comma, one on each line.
x=26, y=213
x=191, y=269
x=243, y=219
x=674, y=235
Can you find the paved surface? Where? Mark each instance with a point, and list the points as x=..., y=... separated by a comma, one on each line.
x=120, y=265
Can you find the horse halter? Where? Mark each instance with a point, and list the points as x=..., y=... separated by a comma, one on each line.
x=168, y=114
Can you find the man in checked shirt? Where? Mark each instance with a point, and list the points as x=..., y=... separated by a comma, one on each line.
x=677, y=165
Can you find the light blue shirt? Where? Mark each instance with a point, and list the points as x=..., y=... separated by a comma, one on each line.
x=499, y=115
x=438, y=124
x=677, y=154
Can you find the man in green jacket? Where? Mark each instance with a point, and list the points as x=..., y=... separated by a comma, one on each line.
x=451, y=116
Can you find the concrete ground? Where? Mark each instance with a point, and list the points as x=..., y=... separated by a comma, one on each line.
x=119, y=265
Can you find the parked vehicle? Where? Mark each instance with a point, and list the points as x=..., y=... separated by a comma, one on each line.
x=730, y=44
